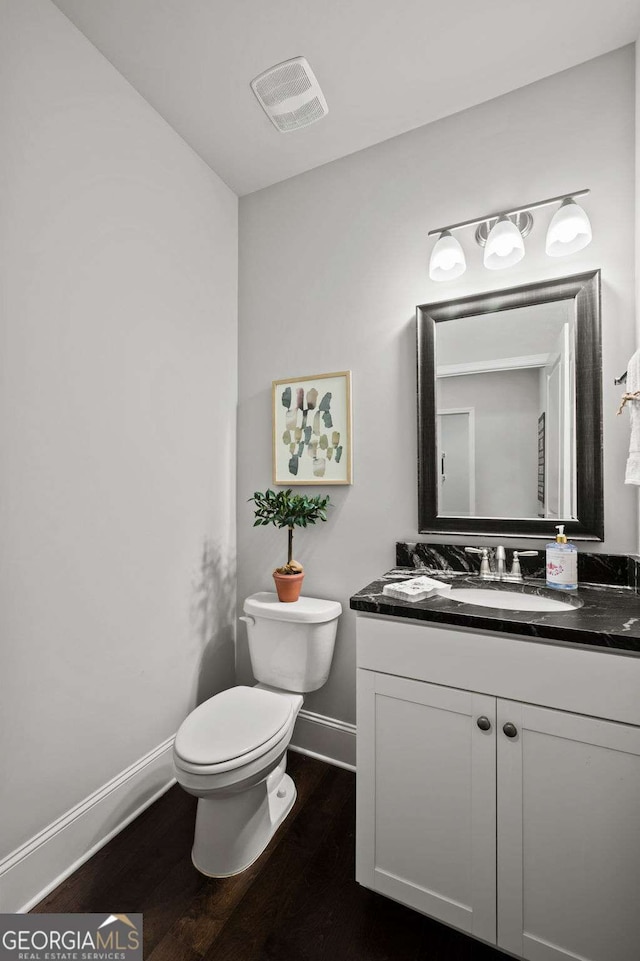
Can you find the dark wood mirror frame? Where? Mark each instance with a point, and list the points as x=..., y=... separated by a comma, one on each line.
x=584, y=290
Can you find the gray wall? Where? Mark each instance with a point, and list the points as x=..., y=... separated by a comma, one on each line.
x=332, y=264
x=507, y=407
x=118, y=273
x=637, y=208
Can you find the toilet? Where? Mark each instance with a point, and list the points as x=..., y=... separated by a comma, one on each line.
x=231, y=751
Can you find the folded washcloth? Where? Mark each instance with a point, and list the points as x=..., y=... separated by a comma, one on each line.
x=415, y=589
x=632, y=475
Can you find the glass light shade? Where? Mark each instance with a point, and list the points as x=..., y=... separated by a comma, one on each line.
x=504, y=247
x=569, y=230
x=447, y=258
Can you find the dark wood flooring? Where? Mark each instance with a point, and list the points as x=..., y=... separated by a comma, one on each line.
x=298, y=902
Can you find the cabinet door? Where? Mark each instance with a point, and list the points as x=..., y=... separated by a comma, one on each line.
x=568, y=836
x=427, y=799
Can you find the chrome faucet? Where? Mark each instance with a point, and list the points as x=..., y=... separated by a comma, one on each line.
x=498, y=572
x=515, y=574
x=487, y=572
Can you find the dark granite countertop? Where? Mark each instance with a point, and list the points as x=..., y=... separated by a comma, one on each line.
x=607, y=618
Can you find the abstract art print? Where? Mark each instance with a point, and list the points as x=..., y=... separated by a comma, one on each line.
x=312, y=429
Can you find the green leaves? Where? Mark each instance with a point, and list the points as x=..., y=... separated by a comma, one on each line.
x=286, y=509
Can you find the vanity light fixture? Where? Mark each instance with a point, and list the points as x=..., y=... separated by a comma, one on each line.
x=447, y=258
x=502, y=236
x=504, y=247
x=569, y=230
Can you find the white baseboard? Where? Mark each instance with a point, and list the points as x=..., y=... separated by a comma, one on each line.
x=325, y=738
x=34, y=869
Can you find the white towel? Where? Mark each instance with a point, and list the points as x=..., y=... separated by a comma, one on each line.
x=632, y=475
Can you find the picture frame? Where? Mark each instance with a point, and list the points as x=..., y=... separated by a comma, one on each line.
x=542, y=452
x=312, y=444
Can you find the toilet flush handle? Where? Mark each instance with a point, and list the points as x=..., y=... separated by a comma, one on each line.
x=247, y=619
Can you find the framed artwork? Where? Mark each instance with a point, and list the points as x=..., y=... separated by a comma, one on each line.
x=312, y=429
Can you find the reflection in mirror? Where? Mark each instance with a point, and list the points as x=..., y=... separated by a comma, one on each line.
x=510, y=411
x=505, y=397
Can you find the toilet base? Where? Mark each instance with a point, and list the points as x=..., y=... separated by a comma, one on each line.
x=232, y=831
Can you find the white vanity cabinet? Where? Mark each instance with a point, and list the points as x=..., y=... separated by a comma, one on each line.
x=427, y=799
x=510, y=818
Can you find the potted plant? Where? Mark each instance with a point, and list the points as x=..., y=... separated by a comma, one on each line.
x=286, y=509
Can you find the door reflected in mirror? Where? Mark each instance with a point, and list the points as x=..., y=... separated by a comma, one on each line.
x=506, y=411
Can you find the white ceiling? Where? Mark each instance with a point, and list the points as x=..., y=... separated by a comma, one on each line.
x=384, y=67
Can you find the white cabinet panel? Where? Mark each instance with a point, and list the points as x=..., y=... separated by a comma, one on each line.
x=426, y=782
x=585, y=681
x=568, y=836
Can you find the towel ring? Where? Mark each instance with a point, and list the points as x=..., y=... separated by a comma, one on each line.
x=628, y=397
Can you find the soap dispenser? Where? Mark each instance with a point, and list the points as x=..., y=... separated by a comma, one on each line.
x=562, y=563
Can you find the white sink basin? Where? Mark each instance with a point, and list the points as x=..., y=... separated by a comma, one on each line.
x=509, y=600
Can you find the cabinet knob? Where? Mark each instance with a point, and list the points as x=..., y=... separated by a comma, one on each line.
x=484, y=723
x=510, y=729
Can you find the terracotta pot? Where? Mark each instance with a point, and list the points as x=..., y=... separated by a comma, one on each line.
x=288, y=586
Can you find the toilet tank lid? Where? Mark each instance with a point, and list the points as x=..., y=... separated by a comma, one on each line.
x=306, y=610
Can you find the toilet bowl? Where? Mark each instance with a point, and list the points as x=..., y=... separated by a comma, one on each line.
x=230, y=752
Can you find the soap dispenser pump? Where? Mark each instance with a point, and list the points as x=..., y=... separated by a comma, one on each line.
x=562, y=563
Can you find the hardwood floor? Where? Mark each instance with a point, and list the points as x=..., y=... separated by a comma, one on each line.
x=298, y=902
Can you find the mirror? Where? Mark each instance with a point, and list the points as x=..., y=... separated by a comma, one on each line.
x=510, y=412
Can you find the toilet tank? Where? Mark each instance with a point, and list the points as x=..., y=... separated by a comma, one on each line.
x=291, y=645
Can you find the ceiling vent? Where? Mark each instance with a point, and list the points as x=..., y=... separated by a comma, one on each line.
x=290, y=95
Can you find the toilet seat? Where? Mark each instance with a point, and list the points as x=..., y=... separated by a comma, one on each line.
x=232, y=729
